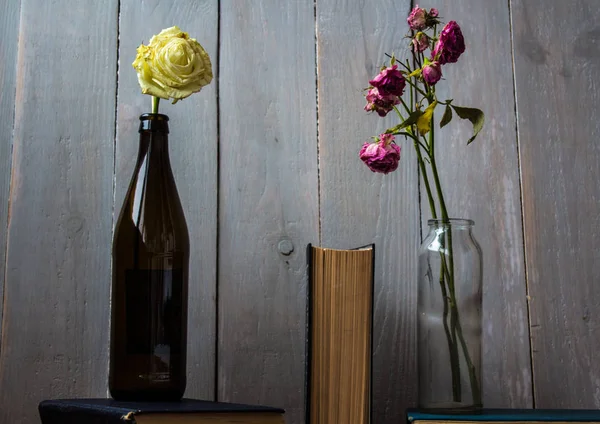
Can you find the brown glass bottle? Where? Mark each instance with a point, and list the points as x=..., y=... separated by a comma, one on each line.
x=150, y=278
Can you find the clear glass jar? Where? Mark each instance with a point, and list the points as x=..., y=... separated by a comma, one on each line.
x=449, y=316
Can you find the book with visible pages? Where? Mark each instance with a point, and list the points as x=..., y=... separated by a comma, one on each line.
x=186, y=411
x=510, y=416
x=339, y=335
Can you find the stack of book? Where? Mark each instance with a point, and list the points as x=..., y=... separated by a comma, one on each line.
x=186, y=411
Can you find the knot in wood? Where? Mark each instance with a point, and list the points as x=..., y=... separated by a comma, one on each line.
x=285, y=247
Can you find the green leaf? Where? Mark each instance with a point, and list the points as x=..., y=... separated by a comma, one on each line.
x=447, y=117
x=476, y=117
x=412, y=119
x=424, y=121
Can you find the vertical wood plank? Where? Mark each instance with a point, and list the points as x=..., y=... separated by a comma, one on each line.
x=9, y=32
x=193, y=154
x=481, y=182
x=358, y=206
x=58, y=259
x=557, y=63
x=268, y=199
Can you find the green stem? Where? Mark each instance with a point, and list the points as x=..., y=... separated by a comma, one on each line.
x=416, y=140
x=425, y=180
x=155, y=101
x=412, y=84
x=413, y=92
x=451, y=342
x=448, y=269
x=475, y=390
x=400, y=114
x=406, y=108
x=452, y=345
x=452, y=348
x=423, y=169
x=403, y=65
x=456, y=328
x=436, y=177
x=418, y=59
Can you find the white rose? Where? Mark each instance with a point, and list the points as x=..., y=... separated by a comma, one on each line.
x=172, y=66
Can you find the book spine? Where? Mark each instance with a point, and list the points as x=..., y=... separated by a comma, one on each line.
x=308, y=344
x=372, y=316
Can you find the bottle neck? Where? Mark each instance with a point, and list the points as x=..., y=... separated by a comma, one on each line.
x=154, y=137
x=154, y=144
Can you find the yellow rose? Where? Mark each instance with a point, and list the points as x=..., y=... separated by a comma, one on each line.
x=172, y=66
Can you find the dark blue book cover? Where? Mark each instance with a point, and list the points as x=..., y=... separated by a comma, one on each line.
x=509, y=415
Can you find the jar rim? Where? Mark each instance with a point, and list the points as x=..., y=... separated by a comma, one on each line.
x=451, y=222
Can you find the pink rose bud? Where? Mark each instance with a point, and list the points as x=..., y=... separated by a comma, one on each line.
x=389, y=82
x=450, y=45
x=381, y=156
x=380, y=104
x=420, y=42
x=433, y=12
x=417, y=20
x=432, y=73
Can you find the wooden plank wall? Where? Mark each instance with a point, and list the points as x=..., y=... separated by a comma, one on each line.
x=557, y=61
x=266, y=161
x=56, y=296
x=268, y=201
x=9, y=32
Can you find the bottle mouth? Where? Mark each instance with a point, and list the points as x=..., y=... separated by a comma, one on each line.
x=153, y=117
x=451, y=222
x=154, y=122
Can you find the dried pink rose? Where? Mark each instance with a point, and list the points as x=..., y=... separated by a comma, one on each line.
x=432, y=72
x=381, y=156
x=417, y=19
x=379, y=103
x=420, y=42
x=389, y=82
x=450, y=45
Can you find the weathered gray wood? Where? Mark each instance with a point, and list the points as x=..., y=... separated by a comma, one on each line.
x=193, y=155
x=58, y=264
x=557, y=63
x=358, y=206
x=268, y=199
x=9, y=31
x=481, y=182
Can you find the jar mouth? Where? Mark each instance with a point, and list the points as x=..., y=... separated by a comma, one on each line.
x=451, y=222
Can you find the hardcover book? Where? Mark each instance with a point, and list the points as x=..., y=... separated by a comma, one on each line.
x=186, y=411
x=339, y=341
x=512, y=416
